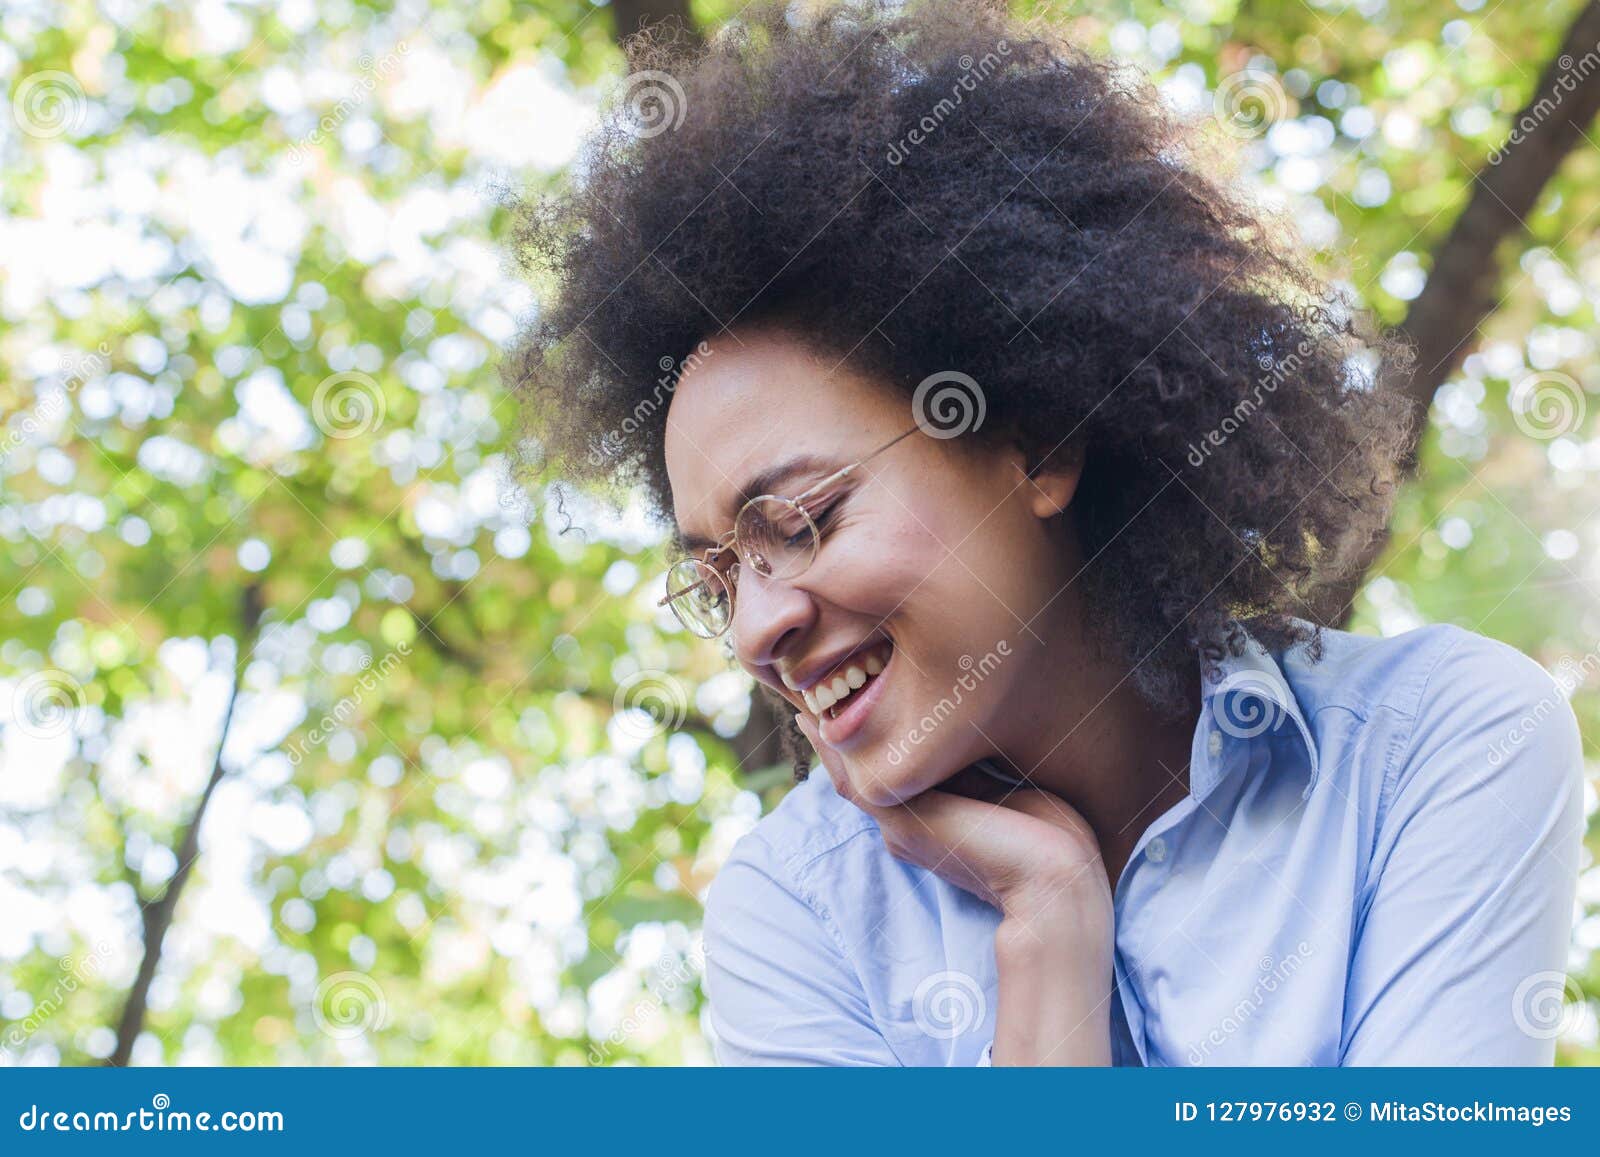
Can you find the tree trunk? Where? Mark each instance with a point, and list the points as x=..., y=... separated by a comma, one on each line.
x=758, y=745
x=1462, y=288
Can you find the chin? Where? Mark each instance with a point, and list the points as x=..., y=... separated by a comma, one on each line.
x=885, y=782
x=897, y=736
x=884, y=788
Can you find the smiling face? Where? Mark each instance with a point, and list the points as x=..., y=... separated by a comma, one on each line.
x=932, y=626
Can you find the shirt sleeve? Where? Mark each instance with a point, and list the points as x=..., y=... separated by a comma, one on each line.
x=1460, y=946
x=780, y=988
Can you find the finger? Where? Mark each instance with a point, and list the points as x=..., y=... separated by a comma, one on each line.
x=835, y=766
x=1056, y=812
x=989, y=848
x=964, y=841
x=911, y=834
x=829, y=758
x=1075, y=857
x=955, y=837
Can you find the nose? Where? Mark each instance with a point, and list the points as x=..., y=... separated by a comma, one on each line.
x=770, y=616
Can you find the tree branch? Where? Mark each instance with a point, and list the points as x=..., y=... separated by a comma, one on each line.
x=1461, y=290
x=1463, y=285
x=157, y=916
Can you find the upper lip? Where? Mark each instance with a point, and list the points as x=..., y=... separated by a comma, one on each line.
x=811, y=674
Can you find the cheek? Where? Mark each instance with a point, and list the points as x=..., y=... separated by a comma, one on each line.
x=882, y=564
x=977, y=571
x=957, y=643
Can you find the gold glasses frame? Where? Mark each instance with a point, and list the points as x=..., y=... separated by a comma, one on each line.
x=706, y=572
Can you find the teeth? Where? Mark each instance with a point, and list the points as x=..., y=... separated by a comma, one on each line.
x=825, y=696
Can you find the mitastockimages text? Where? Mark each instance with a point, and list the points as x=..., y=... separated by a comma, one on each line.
x=1476, y=1111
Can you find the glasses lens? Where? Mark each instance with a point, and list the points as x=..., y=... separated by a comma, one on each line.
x=701, y=598
x=776, y=537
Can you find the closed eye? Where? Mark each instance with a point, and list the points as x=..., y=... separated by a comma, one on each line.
x=824, y=516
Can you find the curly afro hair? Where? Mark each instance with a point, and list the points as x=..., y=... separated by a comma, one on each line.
x=940, y=189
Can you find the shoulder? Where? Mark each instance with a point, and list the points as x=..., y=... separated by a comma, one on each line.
x=780, y=856
x=820, y=943
x=1468, y=712
x=809, y=823
x=816, y=870
x=1489, y=709
x=1416, y=675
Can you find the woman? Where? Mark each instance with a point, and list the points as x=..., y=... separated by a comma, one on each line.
x=1007, y=447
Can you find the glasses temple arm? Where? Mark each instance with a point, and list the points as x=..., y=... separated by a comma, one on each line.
x=706, y=560
x=845, y=470
x=664, y=601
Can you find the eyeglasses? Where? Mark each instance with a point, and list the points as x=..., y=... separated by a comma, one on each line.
x=777, y=537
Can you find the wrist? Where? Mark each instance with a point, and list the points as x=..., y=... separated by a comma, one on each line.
x=1070, y=905
x=1053, y=953
x=1063, y=939
x=1055, y=995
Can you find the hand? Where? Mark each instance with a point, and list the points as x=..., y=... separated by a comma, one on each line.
x=1031, y=855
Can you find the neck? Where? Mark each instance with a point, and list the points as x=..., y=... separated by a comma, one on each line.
x=1091, y=740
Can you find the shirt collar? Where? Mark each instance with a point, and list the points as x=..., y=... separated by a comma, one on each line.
x=1245, y=699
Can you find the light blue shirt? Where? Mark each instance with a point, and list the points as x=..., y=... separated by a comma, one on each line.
x=1376, y=864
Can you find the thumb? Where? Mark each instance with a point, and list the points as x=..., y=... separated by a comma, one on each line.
x=836, y=770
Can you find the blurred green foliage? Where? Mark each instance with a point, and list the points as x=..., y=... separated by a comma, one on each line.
x=475, y=782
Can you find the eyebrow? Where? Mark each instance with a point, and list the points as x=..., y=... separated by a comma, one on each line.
x=764, y=482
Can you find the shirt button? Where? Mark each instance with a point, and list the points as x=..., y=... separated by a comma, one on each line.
x=1156, y=850
x=1214, y=744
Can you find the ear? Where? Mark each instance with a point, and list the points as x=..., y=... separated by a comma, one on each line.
x=1052, y=481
